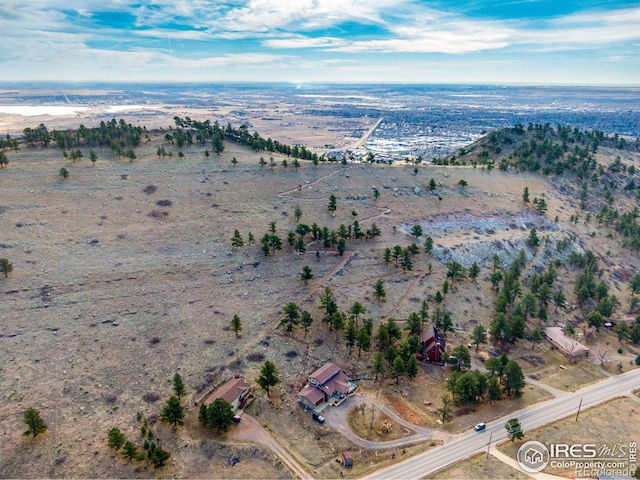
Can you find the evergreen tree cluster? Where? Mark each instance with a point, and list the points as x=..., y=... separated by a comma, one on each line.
x=242, y=136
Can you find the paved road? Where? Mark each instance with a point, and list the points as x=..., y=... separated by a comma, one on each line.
x=363, y=140
x=532, y=417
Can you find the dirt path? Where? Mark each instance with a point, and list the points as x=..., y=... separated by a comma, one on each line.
x=553, y=391
x=337, y=418
x=512, y=463
x=288, y=195
x=250, y=431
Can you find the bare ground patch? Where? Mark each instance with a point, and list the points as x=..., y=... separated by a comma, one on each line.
x=479, y=466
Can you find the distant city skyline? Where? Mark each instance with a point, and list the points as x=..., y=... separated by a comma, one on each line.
x=322, y=41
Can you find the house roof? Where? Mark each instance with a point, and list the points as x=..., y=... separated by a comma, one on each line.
x=325, y=372
x=337, y=383
x=231, y=390
x=311, y=393
x=427, y=333
x=568, y=344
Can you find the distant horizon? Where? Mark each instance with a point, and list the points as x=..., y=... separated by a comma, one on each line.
x=26, y=83
x=530, y=42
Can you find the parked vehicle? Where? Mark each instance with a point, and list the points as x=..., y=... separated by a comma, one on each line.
x=317, y=417
x=236, y=418
x=480, y=426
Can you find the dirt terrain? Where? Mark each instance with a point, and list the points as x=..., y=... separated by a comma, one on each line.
x=124, y=274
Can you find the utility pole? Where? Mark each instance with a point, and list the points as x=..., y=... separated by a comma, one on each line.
x=578, y=413
x=489, y=444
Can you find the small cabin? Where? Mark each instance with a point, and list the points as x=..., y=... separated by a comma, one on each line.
x=347, y=459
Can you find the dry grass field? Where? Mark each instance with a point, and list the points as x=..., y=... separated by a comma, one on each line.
x=124, y=275
x=612, y=423
x=479, y=466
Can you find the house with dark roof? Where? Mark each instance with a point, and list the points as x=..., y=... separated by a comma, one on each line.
x=328, y=383
x=433, y=345
x=235, y=392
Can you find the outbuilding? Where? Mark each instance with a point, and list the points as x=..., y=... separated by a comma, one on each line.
x=347, y=459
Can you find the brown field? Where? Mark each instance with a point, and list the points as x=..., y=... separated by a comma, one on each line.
x=117, y=285
x=612, y=423
x=479, y=466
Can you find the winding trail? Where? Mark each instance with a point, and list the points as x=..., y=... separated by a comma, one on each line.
x=337, y=418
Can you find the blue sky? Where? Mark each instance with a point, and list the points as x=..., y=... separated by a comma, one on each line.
x=340, y=41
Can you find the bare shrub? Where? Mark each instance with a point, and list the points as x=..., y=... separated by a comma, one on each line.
x=464, y=410
x=152, y=418
x=255, y=357
x=154, y=340
x=110, y=398
x=158, y=214
x=150, y=396
x=149, y=189
x=164, y=203
x=318, y=341
x=291, y=354
x=209, y=341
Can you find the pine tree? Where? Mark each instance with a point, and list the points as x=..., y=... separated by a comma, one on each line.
x=514, y=429
x=332, y=204
x=292, y=316
x=268, y=376
x=236, y=325
x=478, y=336
x=424, y=311
x=428, y=245
x=173, y=412
x=412, y=367
x=378, y=290
x=513, y=379
x=236, y=240
x=398, y=368
x=218, y=415
x=350, y=335
x=306, y=320
x=159, y=457
x=34, y=422
x=5, y=267
x=130, y=450
x=378, y=365
x=116, y=439
x=493, y=389
x=178, y=385
x=306, y=274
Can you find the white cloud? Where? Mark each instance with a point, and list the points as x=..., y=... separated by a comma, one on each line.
x=300, y=41
x=269, y=15
x=224, y=60
x=586, y=30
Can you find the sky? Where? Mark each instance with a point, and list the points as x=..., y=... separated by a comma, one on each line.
x=322, y=41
